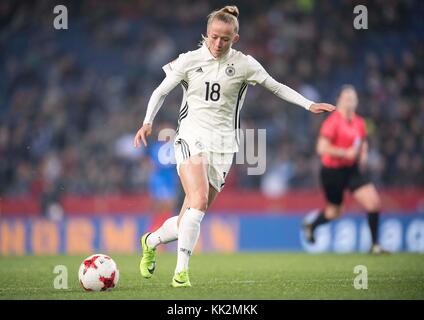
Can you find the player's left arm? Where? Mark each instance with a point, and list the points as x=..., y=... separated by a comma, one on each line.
x=286, y=93
x=255, y=73
x=363, y=152
x=363, y=156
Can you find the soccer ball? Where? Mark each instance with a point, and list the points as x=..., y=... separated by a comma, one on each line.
x=98, y=273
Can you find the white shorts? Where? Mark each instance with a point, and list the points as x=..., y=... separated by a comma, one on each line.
x=219, y=164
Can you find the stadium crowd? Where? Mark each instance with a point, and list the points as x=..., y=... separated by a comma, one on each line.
x=71, y=100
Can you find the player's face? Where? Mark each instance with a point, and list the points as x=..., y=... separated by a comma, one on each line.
x=348, y=100
x=221, y=36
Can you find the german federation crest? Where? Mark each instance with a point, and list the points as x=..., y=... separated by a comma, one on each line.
x=230, y=71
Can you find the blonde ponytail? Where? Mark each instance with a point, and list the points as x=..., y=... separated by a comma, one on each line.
x=231, y=10
x=228, y=14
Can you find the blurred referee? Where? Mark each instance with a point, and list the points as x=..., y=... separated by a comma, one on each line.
x=343, y=149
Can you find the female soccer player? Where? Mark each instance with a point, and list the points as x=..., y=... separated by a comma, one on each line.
x=343, y=149
x=214, y=80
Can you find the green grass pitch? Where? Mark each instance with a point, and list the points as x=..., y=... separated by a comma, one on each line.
x=227, y=276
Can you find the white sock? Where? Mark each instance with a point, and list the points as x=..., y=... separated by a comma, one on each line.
x=188, y=233
x=166, y=233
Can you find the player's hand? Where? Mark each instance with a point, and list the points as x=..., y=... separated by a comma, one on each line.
x=142, y=134
x=363, y=164
x=321, y=107
x=351, y=153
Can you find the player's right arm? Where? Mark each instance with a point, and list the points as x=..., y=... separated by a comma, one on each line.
x=174, y=74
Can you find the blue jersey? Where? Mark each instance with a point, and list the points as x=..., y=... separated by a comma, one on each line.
x=163, y=179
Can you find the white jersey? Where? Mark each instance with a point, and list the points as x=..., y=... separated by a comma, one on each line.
x=214, y=92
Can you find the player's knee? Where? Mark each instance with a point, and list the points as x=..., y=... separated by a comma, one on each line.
x=374, y=204
x=332, y=212
x=199, y=200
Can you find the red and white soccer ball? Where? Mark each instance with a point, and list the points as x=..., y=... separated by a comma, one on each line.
x=98, y=273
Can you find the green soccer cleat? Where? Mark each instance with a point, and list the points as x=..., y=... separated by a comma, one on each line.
x=181, y=280
x=148, y=261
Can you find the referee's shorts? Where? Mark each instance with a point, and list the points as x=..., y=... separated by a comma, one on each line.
x=335, y=180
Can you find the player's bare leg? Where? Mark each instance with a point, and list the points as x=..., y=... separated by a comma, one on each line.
x=330, y=212
x=181, y=278
x=183, y=209
x=168, y=232
x=194, y=179
x=212, y=196
x=367, y=196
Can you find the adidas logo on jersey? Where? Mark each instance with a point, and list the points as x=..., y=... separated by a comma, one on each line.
x=199, y=69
